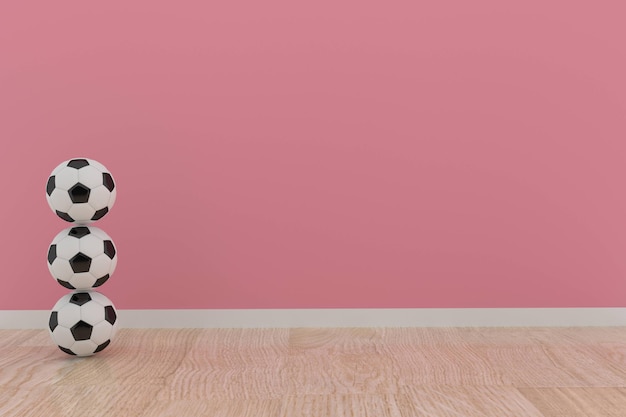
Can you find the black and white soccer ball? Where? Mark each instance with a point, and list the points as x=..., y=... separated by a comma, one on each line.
x=81, y=190
x=82, y=257
x=83, y=323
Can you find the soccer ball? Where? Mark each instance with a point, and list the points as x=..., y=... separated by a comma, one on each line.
x=82, y=257
x=81, y=190
x=83, y=323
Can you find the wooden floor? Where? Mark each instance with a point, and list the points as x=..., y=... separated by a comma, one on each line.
x=377, y=372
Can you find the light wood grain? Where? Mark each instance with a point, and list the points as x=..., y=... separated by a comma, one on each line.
x=382, y=372
x=458, y=401
x=231, y=364
x=578, y=402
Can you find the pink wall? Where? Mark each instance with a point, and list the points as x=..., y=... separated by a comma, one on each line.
x=335, y=154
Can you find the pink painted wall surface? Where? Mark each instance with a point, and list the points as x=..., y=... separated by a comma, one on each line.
x=277, y=154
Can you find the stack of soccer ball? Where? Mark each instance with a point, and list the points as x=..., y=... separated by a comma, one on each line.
x=82, y=257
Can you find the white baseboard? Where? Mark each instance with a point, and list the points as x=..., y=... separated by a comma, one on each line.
x=401, y=317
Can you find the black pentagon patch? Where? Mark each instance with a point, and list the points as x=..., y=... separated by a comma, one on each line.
x=69, y=352
x=80, y=263
x=100, y=214
x=54, y=321
x=80, y=298
x=101, y=280
x=81, y=330
x=107, y=180
x=102, y=346
x=52, y=253
x=79, y=232
x=109, y=249
x=109, y=314
x=51, y=185
x=78, y=163
x=66, y=284
x=65, y=216
x=79, y=193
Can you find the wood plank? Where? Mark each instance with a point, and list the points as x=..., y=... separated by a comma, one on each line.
x=431, y=401
x=451, y=401
x=12, y=338
x=216, y=407
x=578, y=402
x=508, y=356
x=230, y=363
x=370, y=405
x=78, y=400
